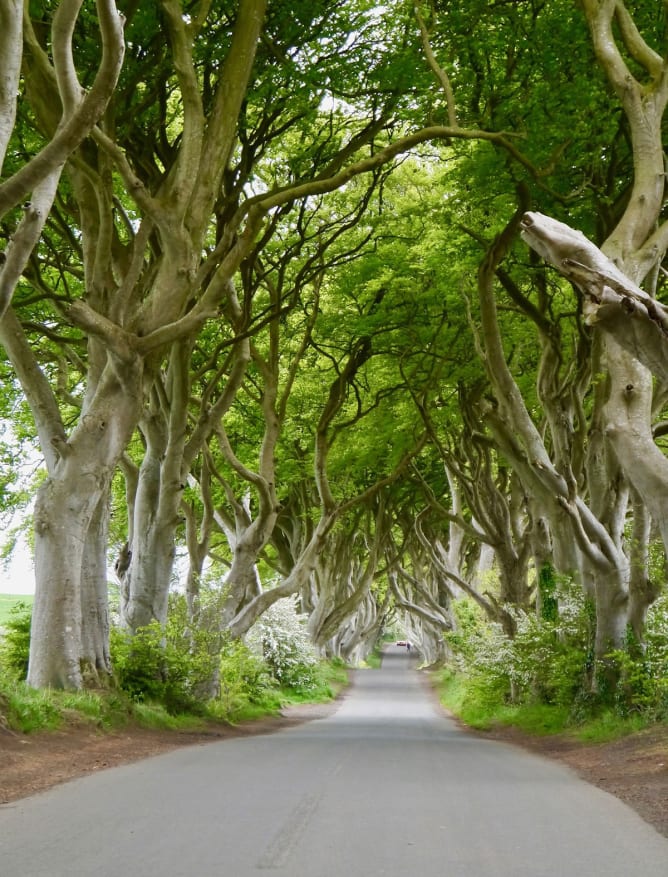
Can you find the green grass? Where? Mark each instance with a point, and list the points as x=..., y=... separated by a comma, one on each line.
x=452, y=688
x=538, y=719
x=374, y=659
x=245, y=711
x=608, y=727
x=155, y=716
x=29, y=711
x=330, y=678
x=8, y=601
x=478, y=707
x=102, y=710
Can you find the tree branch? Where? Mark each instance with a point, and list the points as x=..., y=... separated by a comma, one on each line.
x=76, y=124
x=440, y=74
x=11, y=52
x=612, y=301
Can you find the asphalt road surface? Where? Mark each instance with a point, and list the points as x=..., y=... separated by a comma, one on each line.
x=385, y=786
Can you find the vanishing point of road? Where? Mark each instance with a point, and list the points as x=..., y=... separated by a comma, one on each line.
x=386, y=785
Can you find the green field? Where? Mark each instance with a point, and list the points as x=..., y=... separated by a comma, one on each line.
x=9, y=600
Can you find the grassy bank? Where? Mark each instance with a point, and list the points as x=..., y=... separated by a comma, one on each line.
x=26, y=710
x=477, y=707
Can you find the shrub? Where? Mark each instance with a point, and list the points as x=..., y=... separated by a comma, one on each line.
x=280, y=637
x=15, y=641
x=244, y=679
x=139, y=661
x=545, y=663
x=174, y=664
x=549, y=663
x=644, y=667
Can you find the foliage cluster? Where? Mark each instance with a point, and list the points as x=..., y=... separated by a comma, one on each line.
x=190, y=667
x=245, y=685
x=8, y=604
x=15, y=641
x=541, y=678
x=168, y=665
x=281, y=638
x=645, y=669
x=167, y=675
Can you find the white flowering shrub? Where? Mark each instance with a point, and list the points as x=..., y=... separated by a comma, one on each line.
x=546, y=662
x=656, y=654
x=281, y=639
x=550, y=660
x=656, y=639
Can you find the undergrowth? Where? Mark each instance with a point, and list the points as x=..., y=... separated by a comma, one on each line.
x=172, y=677
x=541, y=681
x=538, y=719
x=28, y=710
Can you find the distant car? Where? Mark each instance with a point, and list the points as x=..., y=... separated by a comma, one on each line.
x=402, y=642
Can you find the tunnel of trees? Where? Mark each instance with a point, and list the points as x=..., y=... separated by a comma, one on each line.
x=354, y=304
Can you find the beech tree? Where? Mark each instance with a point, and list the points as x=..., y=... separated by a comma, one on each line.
x=631, y=254
x=621, y=447
x=154, y=313
x=163, y=224
x=576, y=495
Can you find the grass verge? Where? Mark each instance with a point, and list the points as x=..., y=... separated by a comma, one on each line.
x=480, y=707
x=27, y=710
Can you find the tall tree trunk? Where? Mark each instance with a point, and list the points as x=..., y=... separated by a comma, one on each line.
x=642, y=590
x=172, y=444
x=95, y=597
x=64, y=510
x=145, y=585
x=242, y=583
x=596, y=529
x=69, y=631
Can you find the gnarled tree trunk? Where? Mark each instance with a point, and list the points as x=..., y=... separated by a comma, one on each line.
x=70, y=624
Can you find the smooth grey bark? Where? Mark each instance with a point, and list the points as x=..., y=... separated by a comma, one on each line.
x=11, y=51
x=613, y=302
x=293, y=583
x=594, y=530
x=642, y=590
x=95, y=599
x=199, y=530
x=69, y=534
x=69, y=624
x=145, y=585
x=628, y=406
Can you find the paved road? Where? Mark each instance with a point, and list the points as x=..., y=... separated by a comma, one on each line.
x=385, y=786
